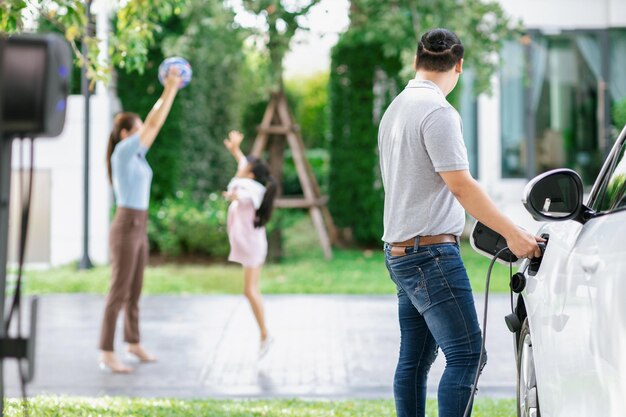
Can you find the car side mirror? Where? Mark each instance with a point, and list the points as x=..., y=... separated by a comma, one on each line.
x=555, y=196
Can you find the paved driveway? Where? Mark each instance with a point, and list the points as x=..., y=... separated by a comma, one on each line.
x=326, y=347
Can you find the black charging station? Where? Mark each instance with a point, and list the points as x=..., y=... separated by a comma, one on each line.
x=34, y=83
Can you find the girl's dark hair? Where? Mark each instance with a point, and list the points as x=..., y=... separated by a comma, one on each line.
x=123, y=120
x=439, y=50
x=262, y=174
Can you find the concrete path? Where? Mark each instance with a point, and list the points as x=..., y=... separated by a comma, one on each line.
x=326, y=347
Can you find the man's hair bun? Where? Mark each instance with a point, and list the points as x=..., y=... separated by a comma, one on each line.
x=439, y=50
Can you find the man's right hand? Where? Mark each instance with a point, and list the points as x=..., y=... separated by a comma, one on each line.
x=524, y=244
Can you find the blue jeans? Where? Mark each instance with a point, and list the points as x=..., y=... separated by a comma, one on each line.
x=435, y=309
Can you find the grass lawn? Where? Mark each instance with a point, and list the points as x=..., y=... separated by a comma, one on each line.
x=118, y=407
x=303, y=271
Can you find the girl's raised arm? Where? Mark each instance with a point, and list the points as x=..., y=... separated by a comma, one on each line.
x=233, y=144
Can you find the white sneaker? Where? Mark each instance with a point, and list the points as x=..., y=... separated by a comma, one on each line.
x=265, y=346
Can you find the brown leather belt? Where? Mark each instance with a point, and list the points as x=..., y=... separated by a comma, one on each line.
x=427, y=240
x=399, y=248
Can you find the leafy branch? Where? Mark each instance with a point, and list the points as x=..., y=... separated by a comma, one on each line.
x=282, y=23
x=397, y=24
x=135, y=22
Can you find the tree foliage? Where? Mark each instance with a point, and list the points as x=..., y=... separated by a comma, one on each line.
x=135, y=26
x=398, y=24
x=354, y=183
x=214, y=104
x=370, y=63
x=138, y=93
x=282, y=20
x=309, y=102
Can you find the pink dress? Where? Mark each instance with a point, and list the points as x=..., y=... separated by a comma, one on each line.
x=248, y=244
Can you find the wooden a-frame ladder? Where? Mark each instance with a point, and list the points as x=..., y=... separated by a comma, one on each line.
x=278, y=124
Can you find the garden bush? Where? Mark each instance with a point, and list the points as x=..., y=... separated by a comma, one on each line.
x=319, y=160
x=355, y=187
x=180, y=225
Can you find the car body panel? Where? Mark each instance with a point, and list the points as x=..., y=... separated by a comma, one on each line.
x=576, y=306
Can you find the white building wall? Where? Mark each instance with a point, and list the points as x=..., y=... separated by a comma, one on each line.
x=63, y=157
x=567, y=14
x=61, y=161
x=489, y=147
x=617, y=13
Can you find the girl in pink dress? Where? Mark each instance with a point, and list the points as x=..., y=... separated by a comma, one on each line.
x=251, y=193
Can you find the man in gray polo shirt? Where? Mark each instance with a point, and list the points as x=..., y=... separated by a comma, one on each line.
x=427, y=185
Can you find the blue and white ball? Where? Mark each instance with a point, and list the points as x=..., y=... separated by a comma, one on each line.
x=183, y=68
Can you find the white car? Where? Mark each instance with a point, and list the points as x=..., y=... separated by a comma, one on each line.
x=571, y=345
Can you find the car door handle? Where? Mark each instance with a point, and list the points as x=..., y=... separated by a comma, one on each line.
x=590, y=264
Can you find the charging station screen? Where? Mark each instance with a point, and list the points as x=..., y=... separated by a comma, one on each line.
x=23, y=86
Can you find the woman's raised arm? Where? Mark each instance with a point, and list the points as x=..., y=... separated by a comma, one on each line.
x=155, y=119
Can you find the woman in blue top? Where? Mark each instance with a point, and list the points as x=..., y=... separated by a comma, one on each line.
x=131, y=176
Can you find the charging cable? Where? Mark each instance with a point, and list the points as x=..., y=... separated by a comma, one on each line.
x=15, y=307
x=470, y=401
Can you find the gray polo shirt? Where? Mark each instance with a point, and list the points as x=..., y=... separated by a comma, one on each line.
x=419, y=136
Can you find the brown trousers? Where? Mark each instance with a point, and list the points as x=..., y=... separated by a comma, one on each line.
x=128, y=244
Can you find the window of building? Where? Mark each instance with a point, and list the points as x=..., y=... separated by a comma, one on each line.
x=566, y=116
x=617, y=71
x=512, y=110
x=551, y=101
x=468, y=109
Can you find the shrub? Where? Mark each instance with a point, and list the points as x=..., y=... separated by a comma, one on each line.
x=355, y=187
x=319, y=159
x=179, y=225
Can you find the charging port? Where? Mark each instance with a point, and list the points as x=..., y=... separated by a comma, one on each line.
x=535, y=263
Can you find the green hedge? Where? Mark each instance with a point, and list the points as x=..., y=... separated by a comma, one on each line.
x=355, y=188
x=213, y=102
x=319, y=159
x=179, y=225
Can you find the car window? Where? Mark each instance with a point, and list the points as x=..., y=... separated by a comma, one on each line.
x=612, y=194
